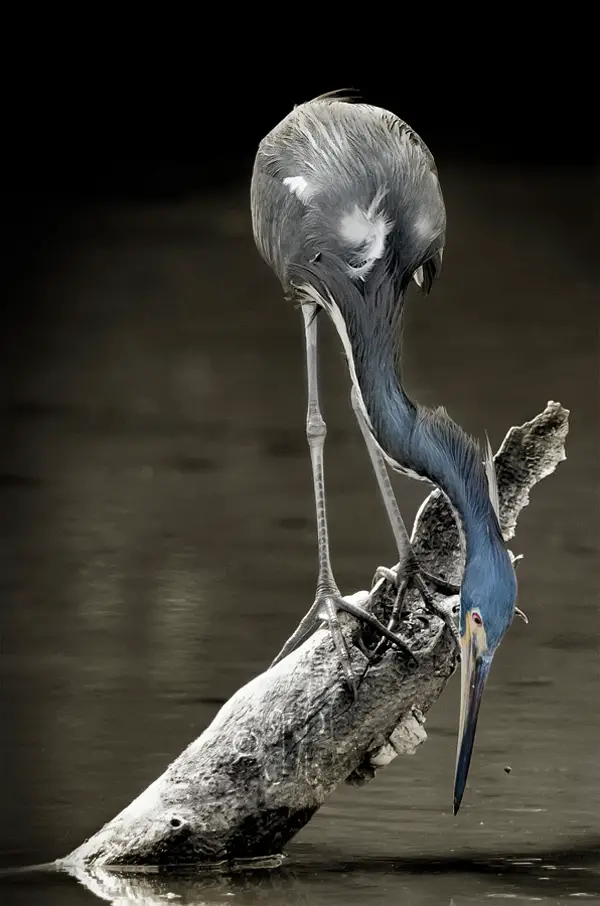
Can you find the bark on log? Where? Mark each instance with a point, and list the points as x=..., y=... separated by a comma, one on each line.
x=283, y=742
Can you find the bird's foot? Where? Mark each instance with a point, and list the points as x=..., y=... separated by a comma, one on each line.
x=325, y=609
x=447, y=614
x=414, y=577
x=396, y=575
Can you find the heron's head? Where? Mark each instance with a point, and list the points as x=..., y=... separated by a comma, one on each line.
x=487, y=606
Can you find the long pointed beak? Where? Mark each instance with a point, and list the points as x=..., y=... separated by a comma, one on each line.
x=474, y=672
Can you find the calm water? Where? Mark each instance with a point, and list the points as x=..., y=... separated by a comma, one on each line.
x=158, y=544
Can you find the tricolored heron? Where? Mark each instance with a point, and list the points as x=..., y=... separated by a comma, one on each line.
x=347, y=210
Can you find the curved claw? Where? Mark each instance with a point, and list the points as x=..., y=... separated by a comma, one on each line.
x=360, y=613
x=418, y=578
x=395, y=575
x=384, y=572
x=439, y=609
x=331, y=607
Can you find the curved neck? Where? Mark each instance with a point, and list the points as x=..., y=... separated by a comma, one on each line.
x=426, y=442
x=431, y=445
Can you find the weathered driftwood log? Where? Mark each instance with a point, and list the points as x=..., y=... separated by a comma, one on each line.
x=283, y=742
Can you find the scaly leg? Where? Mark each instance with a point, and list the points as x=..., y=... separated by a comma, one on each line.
x=328, y=600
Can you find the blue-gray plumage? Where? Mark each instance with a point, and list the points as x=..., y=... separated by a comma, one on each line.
x=347, y=209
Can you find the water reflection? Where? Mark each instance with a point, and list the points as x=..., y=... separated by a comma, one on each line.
x=313, y=877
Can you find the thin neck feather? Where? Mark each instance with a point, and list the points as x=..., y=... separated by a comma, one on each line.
x=428, y=442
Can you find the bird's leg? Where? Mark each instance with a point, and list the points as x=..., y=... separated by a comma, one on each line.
x=328, y=600
x=409, y=571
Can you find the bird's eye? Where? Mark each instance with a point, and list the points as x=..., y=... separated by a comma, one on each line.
x=477, y=618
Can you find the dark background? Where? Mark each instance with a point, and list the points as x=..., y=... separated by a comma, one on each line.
x=155, y=505
x=144, y=132
x=81, y=125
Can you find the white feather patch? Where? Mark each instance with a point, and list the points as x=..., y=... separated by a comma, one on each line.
x=490, y=471
x=299, y=187
x=366, y=232
x=418, y=277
